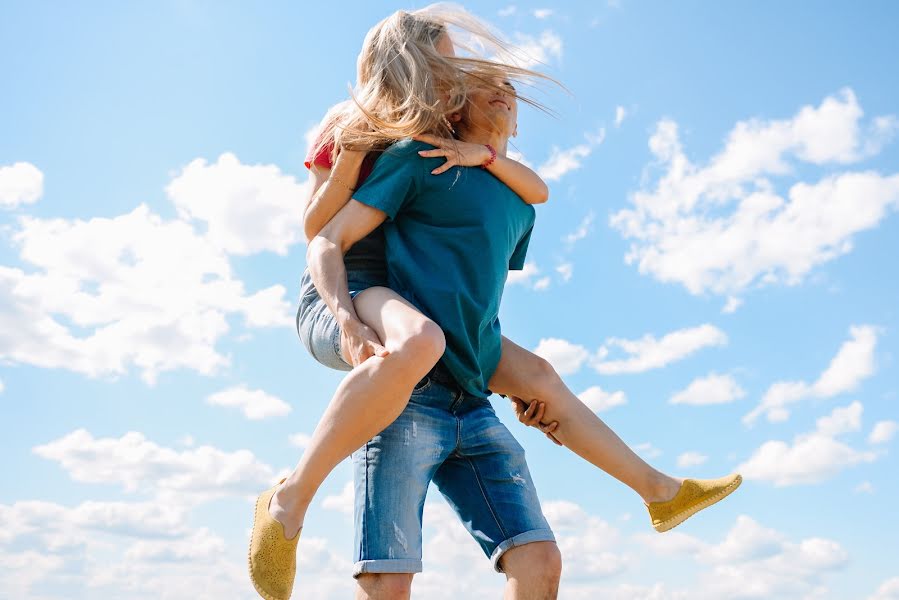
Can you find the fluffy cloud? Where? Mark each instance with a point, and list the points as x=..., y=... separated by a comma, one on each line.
x=106, y=294
x=342, y=502
x=711, y=389
x=565, y=357
x=853, y=363
x=533, y=51
x=722, y=227
x=583, y=230
x=255, y=404
x=140, y=465
x=620, y=114
x=649, y=353
x=888, y=590
x=691, y=459
x=883, y=432
x=20, y=183
x=529, y=276
x=812, y=457
x=753, y=561
x=562, y=162
x=245, y=208
x=599, y=400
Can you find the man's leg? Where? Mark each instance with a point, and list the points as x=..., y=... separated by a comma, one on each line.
x=384, y=586
x=532, y=571
x=488, y=483
x=391, y=473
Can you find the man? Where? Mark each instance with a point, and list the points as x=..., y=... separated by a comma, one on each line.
x=451, y=240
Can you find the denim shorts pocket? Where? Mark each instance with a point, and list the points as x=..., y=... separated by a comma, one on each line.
x=422, y=385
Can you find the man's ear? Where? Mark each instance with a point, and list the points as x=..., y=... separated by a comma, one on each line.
x=455, y=117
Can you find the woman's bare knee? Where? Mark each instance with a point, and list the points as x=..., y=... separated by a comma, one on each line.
x=424, y=342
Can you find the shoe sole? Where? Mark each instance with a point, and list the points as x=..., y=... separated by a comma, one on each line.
x=259, y=590
x=676, y=520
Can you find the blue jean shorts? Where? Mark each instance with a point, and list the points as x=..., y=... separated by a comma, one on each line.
x=455, y=440
x=318, y=328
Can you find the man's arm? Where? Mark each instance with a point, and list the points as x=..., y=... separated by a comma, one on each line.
x=324, y=257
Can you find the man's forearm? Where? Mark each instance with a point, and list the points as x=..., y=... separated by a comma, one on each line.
x=325, y=261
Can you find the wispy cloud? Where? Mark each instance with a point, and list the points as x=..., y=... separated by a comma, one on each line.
x=853, y=363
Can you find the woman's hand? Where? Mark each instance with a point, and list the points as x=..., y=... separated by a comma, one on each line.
x=463, y=154
x=360, y=342
x=532, y=415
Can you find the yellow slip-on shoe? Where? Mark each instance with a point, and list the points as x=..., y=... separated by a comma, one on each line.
x=692, y=497
x=272, y=558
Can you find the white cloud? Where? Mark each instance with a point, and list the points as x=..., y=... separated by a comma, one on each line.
x=620, y=114
x=2, y=386
x=811, y=458
x=141, y=291
x=565, y=271
x=543, y=13
x=647, y=450
x=752, y=561
x=888, y=590
x=300, y=440
x=649, y=353
x=721, y=227
x=733, y=303
x=21, y=183
x=883, y=432
x=711, y=389
x=508, y=11
x=565, y=357
x=543, y=283
x=590, y=546
x=864, y=487
x=562, y=162
x=140, y=465
x=255, y=404
x=583, y=230
x=533, y=51
x=691, y=459
x=529, y=276
x=853, y=363
x=342, y=502
x=599, y=400
x=246, y=208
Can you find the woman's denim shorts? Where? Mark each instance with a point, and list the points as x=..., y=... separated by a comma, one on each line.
x=318, y=328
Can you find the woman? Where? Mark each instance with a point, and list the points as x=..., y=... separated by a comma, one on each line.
x=402, y=58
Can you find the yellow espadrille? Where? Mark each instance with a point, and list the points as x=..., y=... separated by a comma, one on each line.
x=692, y=497
x=272, y=558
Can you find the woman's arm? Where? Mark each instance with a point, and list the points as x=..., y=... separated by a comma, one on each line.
x=331, y=190
x=520, y=179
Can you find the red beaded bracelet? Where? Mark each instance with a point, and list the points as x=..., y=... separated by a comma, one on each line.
x=492, y=158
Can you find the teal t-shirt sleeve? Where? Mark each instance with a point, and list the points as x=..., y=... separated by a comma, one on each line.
x=393, y=180
x=516, y=263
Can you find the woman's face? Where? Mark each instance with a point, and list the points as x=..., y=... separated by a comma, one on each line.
x=493, y=109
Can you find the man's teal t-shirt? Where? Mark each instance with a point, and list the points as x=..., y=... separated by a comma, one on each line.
x=451, y=240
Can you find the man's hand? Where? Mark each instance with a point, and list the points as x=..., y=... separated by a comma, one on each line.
x=532, y=415
x=361, y=342
x=463, y=154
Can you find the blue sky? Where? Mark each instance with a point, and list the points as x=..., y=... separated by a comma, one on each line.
x=714, y=273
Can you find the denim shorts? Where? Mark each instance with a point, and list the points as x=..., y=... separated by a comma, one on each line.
x=455, y=440
x=316, y=325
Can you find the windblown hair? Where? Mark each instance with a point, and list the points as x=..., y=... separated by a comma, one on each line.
x=405, y=87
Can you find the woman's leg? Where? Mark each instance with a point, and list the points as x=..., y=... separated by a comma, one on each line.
x=369, y=398
x=527, y=376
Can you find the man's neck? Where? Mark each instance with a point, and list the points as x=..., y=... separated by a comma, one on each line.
x=499, y=142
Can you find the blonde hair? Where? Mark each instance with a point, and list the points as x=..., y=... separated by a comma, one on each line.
x=405, y=87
